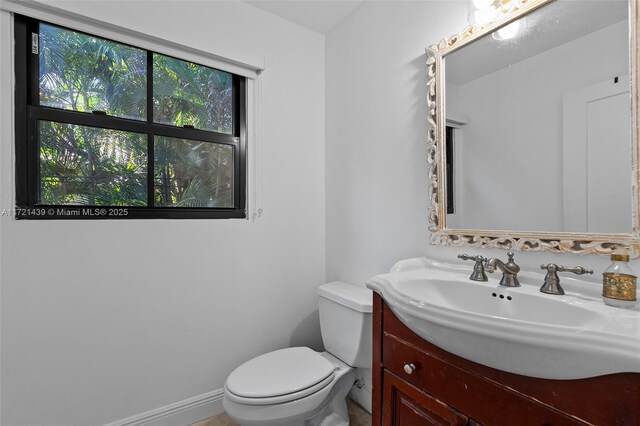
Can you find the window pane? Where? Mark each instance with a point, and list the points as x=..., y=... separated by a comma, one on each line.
x=192, y=173
x=84, y=73
x=188, y=94
x=82, y=165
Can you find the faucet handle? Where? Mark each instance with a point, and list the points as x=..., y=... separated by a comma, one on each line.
x=477, y=258
x=478, y=268
x=552, y=281
x=578, y=270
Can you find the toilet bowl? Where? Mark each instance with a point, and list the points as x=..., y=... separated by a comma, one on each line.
x=299, y=386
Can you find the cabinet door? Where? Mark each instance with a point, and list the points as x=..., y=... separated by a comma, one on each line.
x=405, y=405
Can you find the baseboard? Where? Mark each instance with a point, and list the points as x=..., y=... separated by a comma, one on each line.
x=179, y=413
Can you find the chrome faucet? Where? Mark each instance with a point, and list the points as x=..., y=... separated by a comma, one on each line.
x=478, y=268
x=509, y=270
x=552, y=280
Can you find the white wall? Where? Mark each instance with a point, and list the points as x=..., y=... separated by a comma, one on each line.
x=376, y=133
x=515, y=122
x=102, y=320
x=376, y=169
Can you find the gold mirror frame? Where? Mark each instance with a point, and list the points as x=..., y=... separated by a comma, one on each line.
x=558, y=242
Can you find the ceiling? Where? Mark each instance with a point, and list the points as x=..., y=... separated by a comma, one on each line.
x=317, y=15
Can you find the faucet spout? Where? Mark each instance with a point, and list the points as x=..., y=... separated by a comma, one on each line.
x=509, y=270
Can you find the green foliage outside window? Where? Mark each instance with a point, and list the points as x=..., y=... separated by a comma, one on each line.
x=82, y=165
x=84, y=73
x=192, y=174
x=185, y=93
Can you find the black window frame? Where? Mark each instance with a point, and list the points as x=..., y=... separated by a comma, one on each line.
x=28, y=112
x=449, y=171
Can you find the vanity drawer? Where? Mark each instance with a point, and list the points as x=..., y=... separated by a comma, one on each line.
x=483, y=400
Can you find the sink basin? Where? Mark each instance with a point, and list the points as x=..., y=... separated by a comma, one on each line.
x=519, y=329
x=501, y=303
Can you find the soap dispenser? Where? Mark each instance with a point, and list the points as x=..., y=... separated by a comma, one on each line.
x=619, y=283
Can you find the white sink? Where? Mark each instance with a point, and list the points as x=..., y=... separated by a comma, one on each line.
x=518, y=330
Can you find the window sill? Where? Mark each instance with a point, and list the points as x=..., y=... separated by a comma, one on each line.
x=102, y=213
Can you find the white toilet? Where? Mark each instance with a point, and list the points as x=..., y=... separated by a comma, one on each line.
x=299, y=386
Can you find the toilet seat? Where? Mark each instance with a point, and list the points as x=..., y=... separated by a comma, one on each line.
x=280, y=376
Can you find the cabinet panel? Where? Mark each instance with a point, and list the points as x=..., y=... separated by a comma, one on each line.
x=406, y=405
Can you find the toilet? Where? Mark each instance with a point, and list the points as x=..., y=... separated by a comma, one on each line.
x=299, y=386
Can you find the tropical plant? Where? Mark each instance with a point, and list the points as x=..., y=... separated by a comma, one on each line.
x=81, y=165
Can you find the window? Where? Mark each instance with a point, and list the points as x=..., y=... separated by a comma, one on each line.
x=449, y=141
x=108, y=130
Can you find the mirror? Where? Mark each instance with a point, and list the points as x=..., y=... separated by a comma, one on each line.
x=531, y=124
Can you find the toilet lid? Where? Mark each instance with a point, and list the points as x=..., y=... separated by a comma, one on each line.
x=280, y=373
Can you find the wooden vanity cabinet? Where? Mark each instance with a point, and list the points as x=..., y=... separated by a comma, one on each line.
x=444, y=389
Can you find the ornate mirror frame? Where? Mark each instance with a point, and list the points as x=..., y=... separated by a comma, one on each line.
x=559, y=242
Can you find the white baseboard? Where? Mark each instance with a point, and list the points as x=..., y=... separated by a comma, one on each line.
x=179, y=413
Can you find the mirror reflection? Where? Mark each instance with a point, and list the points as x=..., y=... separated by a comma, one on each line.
x=538, y=123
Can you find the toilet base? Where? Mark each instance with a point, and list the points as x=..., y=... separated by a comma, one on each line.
x=327, y=407
x=337, y=414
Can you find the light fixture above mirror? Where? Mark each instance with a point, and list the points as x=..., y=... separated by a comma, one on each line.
x=485, y=12
x=509, y=31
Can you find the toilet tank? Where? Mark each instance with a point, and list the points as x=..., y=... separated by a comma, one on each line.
x=345, y=322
